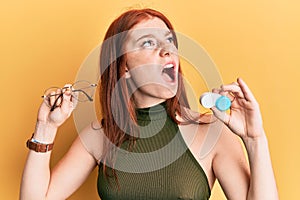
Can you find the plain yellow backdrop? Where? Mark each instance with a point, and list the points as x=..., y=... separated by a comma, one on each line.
x=43, y=43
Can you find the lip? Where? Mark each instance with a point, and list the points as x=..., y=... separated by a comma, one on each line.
x=170, y=62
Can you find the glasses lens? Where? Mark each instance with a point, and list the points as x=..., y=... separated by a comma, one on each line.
x=53, y=96
x=83, y=91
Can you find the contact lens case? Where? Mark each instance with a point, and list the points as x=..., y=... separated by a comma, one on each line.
x=209, y=100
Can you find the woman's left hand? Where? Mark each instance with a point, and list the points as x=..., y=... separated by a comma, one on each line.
x=244, y=118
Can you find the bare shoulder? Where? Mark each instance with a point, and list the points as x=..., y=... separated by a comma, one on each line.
x=213, y=137
x=92, y=138
x=228, y=143
x=202, y=134
x=230, y=155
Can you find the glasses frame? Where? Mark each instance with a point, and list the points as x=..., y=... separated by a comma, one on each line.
x=72, y=89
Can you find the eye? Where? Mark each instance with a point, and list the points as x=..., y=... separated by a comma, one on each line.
x=170, y=39
x=148, y=43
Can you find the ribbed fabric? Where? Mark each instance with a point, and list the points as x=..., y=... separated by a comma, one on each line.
x=161, y=166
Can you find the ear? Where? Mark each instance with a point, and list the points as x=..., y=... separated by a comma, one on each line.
x=127, y=73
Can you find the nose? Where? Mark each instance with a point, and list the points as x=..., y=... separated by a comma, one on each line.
x=165, y=51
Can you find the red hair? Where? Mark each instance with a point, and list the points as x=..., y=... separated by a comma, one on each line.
x=120, y=115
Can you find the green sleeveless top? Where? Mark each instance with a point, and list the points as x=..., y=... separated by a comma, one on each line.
x=159, y=166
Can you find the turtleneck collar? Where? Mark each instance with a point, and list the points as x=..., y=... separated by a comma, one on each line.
x=152, y=113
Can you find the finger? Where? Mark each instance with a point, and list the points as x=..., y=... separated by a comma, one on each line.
x=234, y=89
x=52, y=98
x=216, y=90
x=67, y=104
x=222, y=116
x=58, y=98
x=74, y=96
x=246, y=90
x=230, y=95
x=74, y=99
x=223, y=92
x=46, y=101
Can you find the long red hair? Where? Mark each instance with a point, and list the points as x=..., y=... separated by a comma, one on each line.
x=118, y=116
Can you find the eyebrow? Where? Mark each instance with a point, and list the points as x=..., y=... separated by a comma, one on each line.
x=152, y=36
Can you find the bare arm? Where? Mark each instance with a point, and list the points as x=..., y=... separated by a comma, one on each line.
x=262, y=184
x=72, y=170
x=38, y=182
x=230, y=166
x=245, y=121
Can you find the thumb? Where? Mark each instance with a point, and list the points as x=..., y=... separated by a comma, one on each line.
x=221, y=115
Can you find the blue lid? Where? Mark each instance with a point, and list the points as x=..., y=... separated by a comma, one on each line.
x=223, y=103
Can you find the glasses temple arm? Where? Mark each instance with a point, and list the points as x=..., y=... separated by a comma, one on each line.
x=88, y=96
x=54, y=104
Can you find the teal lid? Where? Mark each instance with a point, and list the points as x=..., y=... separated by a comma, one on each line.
x=223, y=103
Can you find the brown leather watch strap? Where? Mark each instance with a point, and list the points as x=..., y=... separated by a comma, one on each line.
x=39, y=147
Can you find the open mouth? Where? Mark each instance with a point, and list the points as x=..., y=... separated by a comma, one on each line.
x=169, y=70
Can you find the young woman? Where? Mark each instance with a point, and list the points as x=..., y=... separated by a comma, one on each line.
x=147, y=141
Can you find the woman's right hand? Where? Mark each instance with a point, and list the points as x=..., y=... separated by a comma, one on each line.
x=48, y=121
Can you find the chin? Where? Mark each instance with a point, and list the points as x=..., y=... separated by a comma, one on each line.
x=157, y=91
x=167, y=93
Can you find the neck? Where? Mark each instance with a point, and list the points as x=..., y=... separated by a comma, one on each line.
x=147, y=102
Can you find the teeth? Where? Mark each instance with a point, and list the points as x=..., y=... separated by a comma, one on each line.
x=169, y=70
x=168, y=66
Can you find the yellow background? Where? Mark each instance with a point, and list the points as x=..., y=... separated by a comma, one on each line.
x=44, y=42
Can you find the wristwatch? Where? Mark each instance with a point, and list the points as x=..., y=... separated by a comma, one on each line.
x=36, y=146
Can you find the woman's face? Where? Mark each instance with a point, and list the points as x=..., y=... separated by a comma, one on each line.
x=151, y=62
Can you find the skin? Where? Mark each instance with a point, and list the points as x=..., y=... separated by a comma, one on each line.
x=149, y=48
x=226, y=160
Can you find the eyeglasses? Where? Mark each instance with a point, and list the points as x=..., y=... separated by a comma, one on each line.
x=82, y=91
